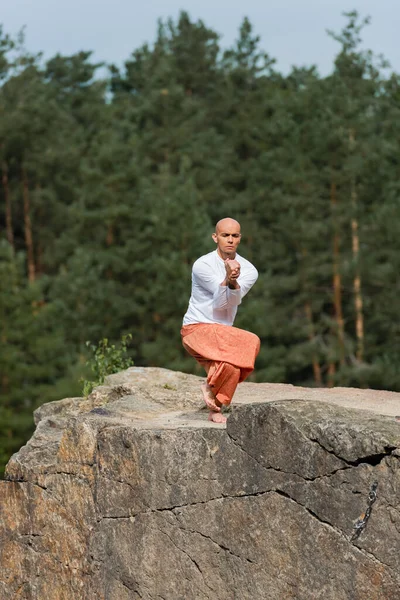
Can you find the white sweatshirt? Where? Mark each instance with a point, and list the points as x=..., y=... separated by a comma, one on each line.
x=211, y=302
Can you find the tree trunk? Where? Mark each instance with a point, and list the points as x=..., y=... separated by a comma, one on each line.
x=358, y=301
x=4, y=381
x=28, y=228
x=7, y=196
x=110, y=235
x=5, y=385
x=331, y=374
x=337, y=282
x=309, y=316
x=109, y=242
x=39, y=247
x=311, y=337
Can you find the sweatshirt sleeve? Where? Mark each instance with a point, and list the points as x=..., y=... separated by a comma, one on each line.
x=223, y=296
x=248, y=279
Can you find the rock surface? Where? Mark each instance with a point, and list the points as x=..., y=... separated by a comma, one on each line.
x=132, y=494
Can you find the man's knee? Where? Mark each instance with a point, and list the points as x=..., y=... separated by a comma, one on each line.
x=254, y=340
x=258, y=342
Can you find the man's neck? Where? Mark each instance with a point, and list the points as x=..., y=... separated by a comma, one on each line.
x=224, y=255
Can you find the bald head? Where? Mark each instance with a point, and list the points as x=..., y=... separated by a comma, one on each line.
x=227, y=237
x=227, y=223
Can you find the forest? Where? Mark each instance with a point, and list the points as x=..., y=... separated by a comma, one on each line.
x=112, y=180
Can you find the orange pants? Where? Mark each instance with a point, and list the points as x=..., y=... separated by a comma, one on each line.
x=227, y=354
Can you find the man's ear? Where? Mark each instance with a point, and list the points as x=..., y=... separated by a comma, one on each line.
x=214, y=237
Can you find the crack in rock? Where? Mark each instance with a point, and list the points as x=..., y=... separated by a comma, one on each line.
x=197, y=566
x=278, y=470
x=207, y=537
x=347, y=538
x=372, y=459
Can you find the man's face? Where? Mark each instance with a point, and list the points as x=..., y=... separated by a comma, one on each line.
x=227, y=238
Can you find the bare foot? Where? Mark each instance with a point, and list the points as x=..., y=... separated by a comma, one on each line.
x=216, y=417
x=209, y=398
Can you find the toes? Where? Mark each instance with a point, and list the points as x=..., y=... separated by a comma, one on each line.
x=216, y=417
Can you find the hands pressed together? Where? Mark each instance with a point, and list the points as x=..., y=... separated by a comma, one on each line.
x=232, y=268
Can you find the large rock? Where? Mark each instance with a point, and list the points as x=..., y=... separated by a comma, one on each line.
x=133, y=494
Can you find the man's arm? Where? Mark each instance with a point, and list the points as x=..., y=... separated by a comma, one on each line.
x=247, y=280
x=220, y=290
x=227, y=292
x=233, y=291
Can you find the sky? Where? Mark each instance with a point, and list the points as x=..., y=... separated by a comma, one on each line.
x=291, y=31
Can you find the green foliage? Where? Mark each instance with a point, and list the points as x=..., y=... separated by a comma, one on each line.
x=110, y=189
x=167, y=386
x=34, y=355
x=106, y=359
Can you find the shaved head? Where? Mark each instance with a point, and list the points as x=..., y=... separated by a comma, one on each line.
x=227, y=223
x=227, y=237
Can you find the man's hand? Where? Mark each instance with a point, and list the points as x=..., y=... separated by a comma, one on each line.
x=232, y=268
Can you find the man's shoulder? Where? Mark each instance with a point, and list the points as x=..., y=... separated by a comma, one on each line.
x=244, y=263
x=208, y=259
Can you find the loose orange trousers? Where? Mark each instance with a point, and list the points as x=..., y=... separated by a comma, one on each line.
x=227, y=354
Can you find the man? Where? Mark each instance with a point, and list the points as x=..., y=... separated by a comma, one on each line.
x=220, y=280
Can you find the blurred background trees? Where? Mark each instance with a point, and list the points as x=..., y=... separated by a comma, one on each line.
x=110, y=188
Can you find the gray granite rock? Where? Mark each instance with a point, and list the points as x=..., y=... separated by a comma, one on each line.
x=133, y=494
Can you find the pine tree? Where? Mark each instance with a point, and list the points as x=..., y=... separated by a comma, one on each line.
x=35, y=362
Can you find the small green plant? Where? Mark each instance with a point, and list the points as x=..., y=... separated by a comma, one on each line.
x=105, y=360
x=167, y=386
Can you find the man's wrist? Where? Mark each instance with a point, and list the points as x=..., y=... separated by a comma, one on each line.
x=233, y=285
